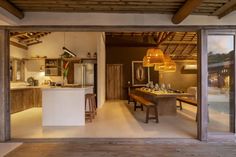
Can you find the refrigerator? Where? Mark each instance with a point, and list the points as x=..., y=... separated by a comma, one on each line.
x=85, y=74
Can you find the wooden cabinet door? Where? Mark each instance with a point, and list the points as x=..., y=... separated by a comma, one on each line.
x=114, y=81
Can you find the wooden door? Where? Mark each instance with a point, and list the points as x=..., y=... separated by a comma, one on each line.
x=114, y=81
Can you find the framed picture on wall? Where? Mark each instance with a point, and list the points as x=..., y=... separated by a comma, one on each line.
x=139, y=74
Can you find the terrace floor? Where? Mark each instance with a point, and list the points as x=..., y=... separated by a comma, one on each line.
x=125, y=149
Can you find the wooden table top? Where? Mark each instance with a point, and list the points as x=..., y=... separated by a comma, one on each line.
x=163, y=93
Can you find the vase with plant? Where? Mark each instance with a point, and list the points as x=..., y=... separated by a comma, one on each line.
x=65, y=72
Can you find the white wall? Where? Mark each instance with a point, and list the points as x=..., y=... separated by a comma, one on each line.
x=78, y=42
x=101, y=72
x=16, y=52
x=106, y=19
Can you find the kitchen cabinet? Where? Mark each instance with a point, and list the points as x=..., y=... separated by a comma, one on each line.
x=17, y=70
x=53, y=67
x=23, y=99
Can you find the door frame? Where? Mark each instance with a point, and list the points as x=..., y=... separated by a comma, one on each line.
x=4, y=70
x=4, y=86
x=231, y=134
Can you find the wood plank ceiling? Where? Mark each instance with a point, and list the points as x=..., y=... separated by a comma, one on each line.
x=179, y=45
x=179, y=8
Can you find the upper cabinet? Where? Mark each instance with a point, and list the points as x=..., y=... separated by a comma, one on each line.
x=53, y=67
x=17, y=70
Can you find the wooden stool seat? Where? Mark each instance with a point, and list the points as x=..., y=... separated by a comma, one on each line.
x=90, y=102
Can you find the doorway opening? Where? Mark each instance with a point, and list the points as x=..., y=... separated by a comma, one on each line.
x=174, y=92
x=116, y=118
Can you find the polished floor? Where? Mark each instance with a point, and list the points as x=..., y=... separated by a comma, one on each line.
x=124, y=149
x=116, y=119
x=7, y=147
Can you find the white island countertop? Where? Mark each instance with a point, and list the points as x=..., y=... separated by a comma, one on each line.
x=48, y=87
x=64, y=106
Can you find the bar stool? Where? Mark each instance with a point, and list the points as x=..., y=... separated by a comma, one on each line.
x=90, y=102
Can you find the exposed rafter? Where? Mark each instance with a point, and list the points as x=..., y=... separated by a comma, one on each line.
x=181, y=42
x=25, y=39
x=11, y=9
x=225, y=9
x=18, y=45
x=181, y=45
x=186, y=10
x=164, y=37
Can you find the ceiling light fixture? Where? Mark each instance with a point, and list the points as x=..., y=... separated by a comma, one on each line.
x=156, y=56
x=168, y=66
x=146, y=62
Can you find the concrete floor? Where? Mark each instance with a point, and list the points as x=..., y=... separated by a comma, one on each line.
x=116, y=119
x=7, y=147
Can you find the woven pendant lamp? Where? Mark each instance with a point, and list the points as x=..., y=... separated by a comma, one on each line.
x=146, y=62
x=156, y=56
x=168, y=66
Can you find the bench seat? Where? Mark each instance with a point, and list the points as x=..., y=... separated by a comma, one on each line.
x=146, y=103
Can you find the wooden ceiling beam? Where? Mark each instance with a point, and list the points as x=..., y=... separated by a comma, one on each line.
x=11, y=9
x=18, y=34
x=225, y=9
x=33, y=43
x=167, y=47
x=185, y=48
x=165, y=38
x=186, y=10
x=18, y=45
x=180, y=42
x=192, y=50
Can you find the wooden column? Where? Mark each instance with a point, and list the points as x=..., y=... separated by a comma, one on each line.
x=4, y=86
x=202, y=86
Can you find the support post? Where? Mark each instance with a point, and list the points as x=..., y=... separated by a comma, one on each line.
x=202, y=121
x=4, y=86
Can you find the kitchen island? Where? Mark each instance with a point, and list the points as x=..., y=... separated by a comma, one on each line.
x=64, y=106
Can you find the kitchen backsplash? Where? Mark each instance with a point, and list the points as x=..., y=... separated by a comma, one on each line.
x=40, y=76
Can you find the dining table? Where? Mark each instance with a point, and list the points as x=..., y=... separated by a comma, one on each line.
x=165, y=99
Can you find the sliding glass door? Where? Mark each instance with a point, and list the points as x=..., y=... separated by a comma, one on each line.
x=221, y=82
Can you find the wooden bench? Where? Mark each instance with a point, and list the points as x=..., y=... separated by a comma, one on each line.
x=146, y=103
x=190, y=102
x=187, y=101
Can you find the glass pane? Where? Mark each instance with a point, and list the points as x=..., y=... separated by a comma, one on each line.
x=220, y=82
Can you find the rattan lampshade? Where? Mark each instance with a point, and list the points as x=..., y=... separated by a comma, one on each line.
x=156, y=56
x=160, y=68
x=168, y=66
x=146, y=62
